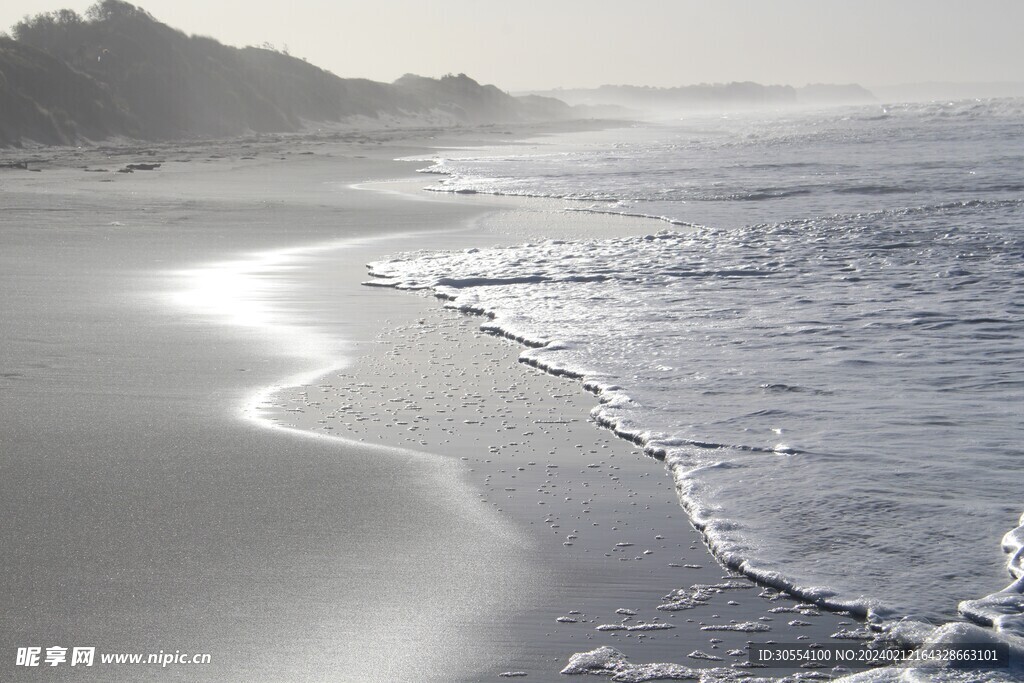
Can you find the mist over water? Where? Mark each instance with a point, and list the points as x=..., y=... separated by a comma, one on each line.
x=825, y=341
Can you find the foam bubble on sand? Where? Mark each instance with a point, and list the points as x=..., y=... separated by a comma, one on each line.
x=635, y=627
x=601, y=660
x=608, y=661
x=745, y=627
x=687, y=598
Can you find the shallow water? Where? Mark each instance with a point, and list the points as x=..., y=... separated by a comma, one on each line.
x=826, y=346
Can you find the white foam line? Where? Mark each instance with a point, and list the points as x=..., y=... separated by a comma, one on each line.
x=1003, y=610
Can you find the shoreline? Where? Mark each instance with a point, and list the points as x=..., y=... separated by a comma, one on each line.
x=889, y=630
x=314, y=406
x=998, y=610
x=323, y=559
x=620, y=566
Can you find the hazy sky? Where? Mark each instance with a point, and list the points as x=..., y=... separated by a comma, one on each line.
x=520, y=44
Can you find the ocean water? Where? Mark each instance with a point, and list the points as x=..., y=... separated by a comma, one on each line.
x=824, y=338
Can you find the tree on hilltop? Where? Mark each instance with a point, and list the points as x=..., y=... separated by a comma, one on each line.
x=105, y=10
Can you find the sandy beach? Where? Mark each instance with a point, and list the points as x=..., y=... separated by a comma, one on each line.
x=460, y=518
x=469, y=342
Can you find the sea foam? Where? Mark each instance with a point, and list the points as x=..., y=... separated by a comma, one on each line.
x=826, y=352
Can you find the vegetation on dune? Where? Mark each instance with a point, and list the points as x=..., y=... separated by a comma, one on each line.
x=119, y=71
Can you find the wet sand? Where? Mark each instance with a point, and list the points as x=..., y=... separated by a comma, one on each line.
x=600, y=517
x=141, y=512
x=146, y=509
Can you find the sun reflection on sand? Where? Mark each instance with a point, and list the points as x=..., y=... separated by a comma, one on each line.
x=255, y=291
